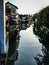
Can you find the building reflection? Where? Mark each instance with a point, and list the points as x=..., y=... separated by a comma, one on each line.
x=2, y=59
x=24, y=26
x=13, y=38
x=13, y=48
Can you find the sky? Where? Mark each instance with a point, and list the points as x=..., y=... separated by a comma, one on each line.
x=29, y=6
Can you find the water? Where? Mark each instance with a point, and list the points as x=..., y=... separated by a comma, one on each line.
x=26, y=48
x=29, y=46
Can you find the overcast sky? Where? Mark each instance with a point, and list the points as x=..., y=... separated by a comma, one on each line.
x=29, y=6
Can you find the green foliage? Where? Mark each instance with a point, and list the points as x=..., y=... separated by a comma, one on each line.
x=43, y=16
x=43, y=20
x=38, y=24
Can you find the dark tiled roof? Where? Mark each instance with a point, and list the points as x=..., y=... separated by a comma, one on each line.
x=12, y=5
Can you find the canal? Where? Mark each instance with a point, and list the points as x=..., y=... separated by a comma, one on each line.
x=29, y=51
x=29, y=46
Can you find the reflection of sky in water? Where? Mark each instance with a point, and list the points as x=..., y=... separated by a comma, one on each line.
x=29, y=46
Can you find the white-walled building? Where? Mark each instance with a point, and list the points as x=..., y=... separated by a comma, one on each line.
x=11, y=9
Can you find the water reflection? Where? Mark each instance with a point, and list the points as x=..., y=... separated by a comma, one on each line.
x=2, y=59
x=24, y=45
x=24, y=26
x=13, y=48
x=28, y=47
x=43, y=59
